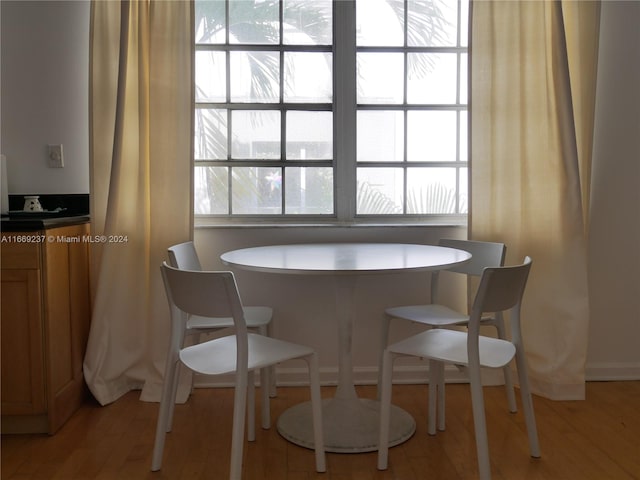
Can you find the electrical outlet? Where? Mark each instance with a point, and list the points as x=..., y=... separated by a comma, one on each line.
x=56, y=159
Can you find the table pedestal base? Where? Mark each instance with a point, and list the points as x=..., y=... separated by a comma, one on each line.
x=350, y=425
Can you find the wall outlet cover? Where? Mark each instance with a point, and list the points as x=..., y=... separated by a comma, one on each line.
x=55, y=158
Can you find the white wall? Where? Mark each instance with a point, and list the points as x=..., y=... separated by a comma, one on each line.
x=614, y=347
x=45, y=58
x=44, y=100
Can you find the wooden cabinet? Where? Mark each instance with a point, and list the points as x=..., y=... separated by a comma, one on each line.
x=45, y=324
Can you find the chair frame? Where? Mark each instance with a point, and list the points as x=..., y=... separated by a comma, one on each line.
x=483, y=254
x=185, y=256
x=215, y=294
x=501, y=289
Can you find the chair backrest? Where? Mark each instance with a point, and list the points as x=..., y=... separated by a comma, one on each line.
x=484, y=254
x=184, y=256
x=500, y=289
x=203, y=293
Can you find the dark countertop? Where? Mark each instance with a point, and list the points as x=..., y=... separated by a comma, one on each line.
x=60, y=210
x=35, y=222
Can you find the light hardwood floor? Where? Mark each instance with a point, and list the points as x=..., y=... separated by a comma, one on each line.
x=596, y=439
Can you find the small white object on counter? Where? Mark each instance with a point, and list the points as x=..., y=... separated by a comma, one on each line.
x=32, y=204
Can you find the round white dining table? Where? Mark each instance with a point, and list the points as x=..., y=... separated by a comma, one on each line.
x=350, y=423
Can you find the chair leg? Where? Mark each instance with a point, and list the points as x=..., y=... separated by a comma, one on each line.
x=273, y=386
x=165, y=413
x=384, y=390
x=433, y=397
x=316, y=410
x=251, y=406
x=237, y=434
x=384, y=338
x=441, y=396
x=527, y=403
x=174, y=382
x=265, y=391
x=479, y=423
x=508, y=377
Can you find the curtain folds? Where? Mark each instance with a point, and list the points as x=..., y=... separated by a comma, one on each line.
x=533, y=71
x=141, y=172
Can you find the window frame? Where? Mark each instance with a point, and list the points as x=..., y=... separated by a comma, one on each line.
x=345, y=109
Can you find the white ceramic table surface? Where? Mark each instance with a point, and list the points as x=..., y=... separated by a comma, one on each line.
x=350, y=423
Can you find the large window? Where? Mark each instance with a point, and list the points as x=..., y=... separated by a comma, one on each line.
x=345, y=110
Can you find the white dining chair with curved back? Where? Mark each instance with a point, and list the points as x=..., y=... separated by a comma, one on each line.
x=501, y=290
x=215, y=295
x=258, y=318
x=437, y=315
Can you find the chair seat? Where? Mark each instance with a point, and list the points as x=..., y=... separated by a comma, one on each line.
x=254, y=317
x=437, y=315
x=451, y=346
x=433, y=314
x=218, y=356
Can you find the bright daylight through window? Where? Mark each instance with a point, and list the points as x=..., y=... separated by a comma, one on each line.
x=348, y=110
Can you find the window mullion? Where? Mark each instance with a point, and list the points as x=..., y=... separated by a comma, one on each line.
x=345, y=105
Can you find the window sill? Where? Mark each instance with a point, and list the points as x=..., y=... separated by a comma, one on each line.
x=440, y=222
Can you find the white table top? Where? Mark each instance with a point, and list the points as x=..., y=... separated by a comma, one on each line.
x=344, y=258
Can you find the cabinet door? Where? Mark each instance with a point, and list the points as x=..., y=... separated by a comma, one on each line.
x=23, y=386
x=67, y=319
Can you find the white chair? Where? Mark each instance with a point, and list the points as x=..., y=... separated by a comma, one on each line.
x=435, y=315
x=185, y=257
x=214, y=295
x=501, y=289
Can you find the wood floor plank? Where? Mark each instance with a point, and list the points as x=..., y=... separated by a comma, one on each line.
x=595, y=439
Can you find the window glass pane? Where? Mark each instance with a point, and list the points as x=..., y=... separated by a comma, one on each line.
x=432, y=78
x=254, y=21
x=464, y=137
x=309, y=190
x=431, y=190
x=380, y=191
x=255, y=134
x=464, y=190
x=463, y=78
x=255, y=76
x=380, y=77
x=256, y=190
x=309, y=135
x=307, y=22
x=308, y=77
x=432, y=23
x=211, y=190
x=431, y=136
x=210, y=21
x=379, y=23
x=380, y=136
x=464, y=23
x=211, y=79
x=210, y=139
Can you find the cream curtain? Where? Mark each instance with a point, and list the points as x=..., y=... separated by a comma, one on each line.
x=141, y=172
x=533, y=71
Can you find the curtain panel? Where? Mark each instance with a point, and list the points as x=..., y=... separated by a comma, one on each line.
x=533, y=71
x=141, y=172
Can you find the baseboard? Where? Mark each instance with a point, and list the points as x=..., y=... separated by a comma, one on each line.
x=614, y=371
